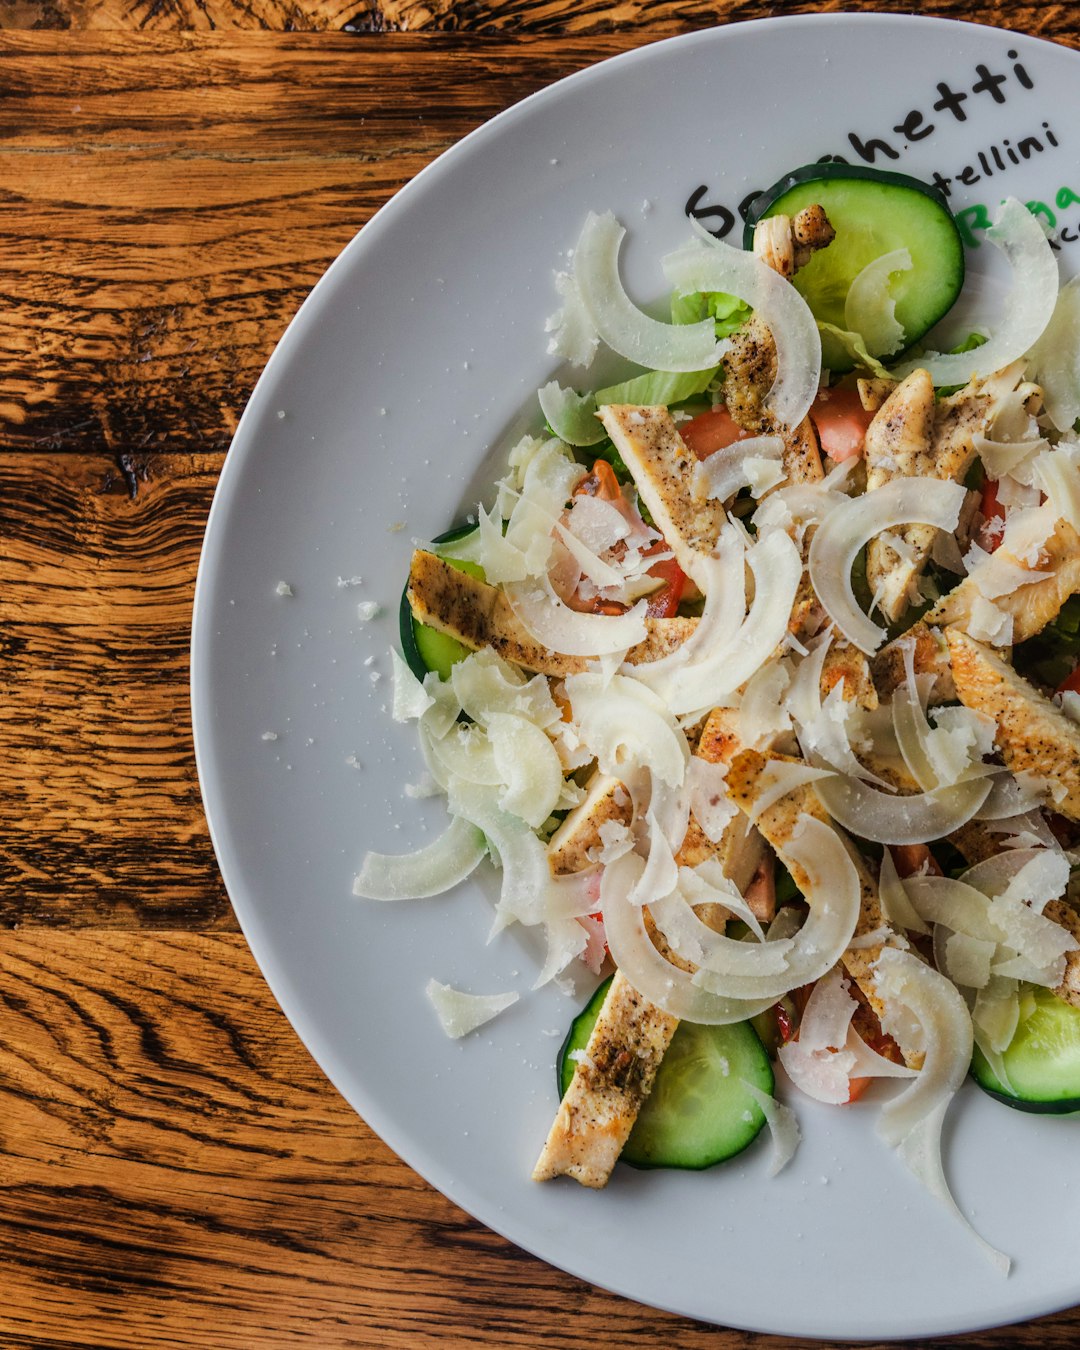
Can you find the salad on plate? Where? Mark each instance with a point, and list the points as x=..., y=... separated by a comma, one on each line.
x=758, y=679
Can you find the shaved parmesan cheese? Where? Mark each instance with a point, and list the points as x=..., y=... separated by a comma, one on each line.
x=528, y=766
x=1055, y=359
x=870, y=310
x=411, y=700
x=431, y=870
x=1027, y=307
x=566, y=941
x=625, y=725
x=709, y=801
x=987, y=623
x=625, y=328
x=1057, y=472
x=526, y=877
x=762, y=715
x=848, y=528
x=754, y=462
x=706, y=264
x=573, y=333
x=781, y=777
x=968, y=960
x=459, y=1013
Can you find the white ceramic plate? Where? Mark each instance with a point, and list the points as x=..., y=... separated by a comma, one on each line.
x=373, y=425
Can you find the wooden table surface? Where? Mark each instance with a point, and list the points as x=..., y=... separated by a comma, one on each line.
x=176, y=174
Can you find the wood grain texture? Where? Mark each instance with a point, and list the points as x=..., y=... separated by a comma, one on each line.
x=100, y=816
x=656, y=18
x=169, y=200
x=177, y=1172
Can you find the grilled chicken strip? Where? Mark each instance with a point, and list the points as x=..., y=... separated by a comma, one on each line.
x=608, y=1089
x=1031, y=607
x=631, y=1035
x=931, y=657
x=479, y=615
x=1033, y=734
x=662, y=465
x=1063, y=913
x=785, y=245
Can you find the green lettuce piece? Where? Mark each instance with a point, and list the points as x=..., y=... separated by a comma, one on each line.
x=853, y=344
x=728, y=312
x=572, y=417
x=657, y=387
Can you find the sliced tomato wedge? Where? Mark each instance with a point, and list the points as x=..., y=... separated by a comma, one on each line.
x=841, y=422
x=712, y=431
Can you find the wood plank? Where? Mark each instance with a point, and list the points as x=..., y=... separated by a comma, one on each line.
x=100, y=816
x=177, y=1172
x=1046, y=19
x=170, y=199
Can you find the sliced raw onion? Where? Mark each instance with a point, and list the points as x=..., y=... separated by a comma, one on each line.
x=485, y=684
x=921, y=1152
x=783, y=1126
x=564, y=630
x=655, y=978
x=1027, y=308
x=892, y=819
x=620, y=323
x=830, y=884
x=526, y=876
x=942, y=1014
x=627, y=726
x=720, y=655
x=1043, y=873
x=715, y=266
x=459, y=1013
x=896, y=905
x=848, y=528
x=571, y=416
x=870, y=310
x=429, y=871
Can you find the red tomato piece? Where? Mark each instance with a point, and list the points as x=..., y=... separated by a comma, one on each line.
x=993, y=514
x=664, y=603
x=841, y=422
x=712, y=431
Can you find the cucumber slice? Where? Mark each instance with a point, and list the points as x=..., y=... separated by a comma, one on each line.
x=1042, y=1060
x=873, y=212
x=425, y=648
x=698, y=1113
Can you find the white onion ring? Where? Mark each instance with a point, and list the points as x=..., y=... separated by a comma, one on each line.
x=715, y=266
x=429, y=871
x=893, y=819
x=833, y=893
x=564, y=630
x=849, y=527
x=621, y=324
x=655, y=978
x=1027, y=309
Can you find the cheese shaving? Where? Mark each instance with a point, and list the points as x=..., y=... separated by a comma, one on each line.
x=459, y=1013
